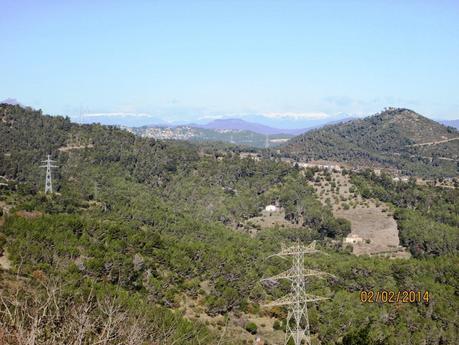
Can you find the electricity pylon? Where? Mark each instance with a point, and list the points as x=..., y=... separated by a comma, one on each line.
x=297, y=327
x=48, y=180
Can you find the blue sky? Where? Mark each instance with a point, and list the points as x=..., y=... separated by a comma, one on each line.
x=285, y=61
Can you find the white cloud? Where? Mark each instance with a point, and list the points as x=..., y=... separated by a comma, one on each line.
x=116, y=114
x=296, y=115
x=271, y=115
x=213, y=117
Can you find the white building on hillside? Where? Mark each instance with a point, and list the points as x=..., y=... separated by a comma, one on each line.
x=271, y=208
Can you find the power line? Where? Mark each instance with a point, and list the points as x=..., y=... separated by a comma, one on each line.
x=48, y=179
x=297, y=327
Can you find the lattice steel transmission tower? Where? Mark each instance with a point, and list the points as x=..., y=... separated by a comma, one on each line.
x=297, y=327
x=48, y=180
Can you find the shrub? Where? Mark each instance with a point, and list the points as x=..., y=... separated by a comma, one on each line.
x=2, y=242
x=277, y=325
x=251, y=327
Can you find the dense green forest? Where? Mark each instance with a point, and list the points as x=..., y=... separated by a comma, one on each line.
x=137, y=224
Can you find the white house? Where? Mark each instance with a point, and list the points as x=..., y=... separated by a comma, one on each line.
x=271, y=208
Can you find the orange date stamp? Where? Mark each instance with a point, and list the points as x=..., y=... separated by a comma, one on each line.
x=389, y=296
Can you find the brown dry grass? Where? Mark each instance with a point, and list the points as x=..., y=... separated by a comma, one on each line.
x=370, y=220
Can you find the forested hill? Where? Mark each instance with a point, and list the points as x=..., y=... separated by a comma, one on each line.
x=398, y=138
x=27, y=136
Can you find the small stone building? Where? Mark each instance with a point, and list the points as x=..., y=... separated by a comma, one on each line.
x=353, y=238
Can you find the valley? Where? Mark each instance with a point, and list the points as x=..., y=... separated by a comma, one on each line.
x=229, y=172
x=242, y=137
x=170, y=240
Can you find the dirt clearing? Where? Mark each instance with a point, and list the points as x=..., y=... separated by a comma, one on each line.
x=373, y=228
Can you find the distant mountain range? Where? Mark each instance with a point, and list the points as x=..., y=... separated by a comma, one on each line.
x=235, y=131
x=451, y=123
x=242, y=125
x=395, y=138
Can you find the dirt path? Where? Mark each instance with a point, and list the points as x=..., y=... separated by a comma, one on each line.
x=433, y=142
x=75, y=147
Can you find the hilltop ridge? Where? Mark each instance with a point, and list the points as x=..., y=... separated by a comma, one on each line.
x=242, y=125
x=386, y=139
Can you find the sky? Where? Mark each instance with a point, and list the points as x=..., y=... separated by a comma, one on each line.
x=285, y=62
